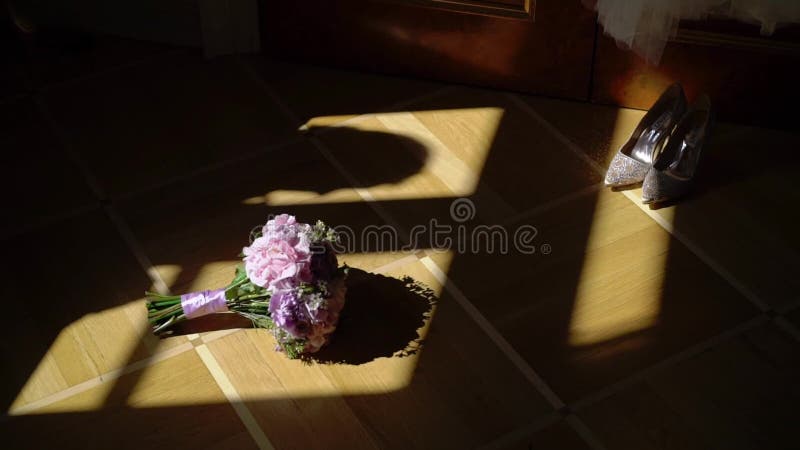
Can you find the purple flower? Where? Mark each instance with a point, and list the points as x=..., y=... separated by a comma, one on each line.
x=289, y=313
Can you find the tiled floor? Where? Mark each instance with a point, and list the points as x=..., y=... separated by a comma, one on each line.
x=627, y=328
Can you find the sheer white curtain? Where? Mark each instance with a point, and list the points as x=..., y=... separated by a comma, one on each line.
x=644, y=26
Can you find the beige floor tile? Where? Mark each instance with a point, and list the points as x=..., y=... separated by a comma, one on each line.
x=597, y=129
x=322, y=96
x=77, y=308
x=39, y=182
x=616, y=294
x=738, y=395
x=385, y=402
x=173, y=404
x=140, y=125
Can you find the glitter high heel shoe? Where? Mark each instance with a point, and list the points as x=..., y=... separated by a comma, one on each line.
x=634, y=158
x=675, y=166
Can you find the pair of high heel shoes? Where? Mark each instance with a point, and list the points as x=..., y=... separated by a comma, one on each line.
x=664, y=150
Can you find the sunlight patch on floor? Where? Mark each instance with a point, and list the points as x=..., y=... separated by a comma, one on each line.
x=460, y=177
x=286, y=197
x=612, y=272
x=214, y=275
x=450, y=169
x=93, y=346
x=169, y=273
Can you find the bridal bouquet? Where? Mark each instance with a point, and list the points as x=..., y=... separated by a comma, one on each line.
x=289, y=283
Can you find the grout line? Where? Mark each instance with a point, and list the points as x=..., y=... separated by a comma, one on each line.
x=699, y=253
x=672, y=360
x=211, y=168
x=157, y=357
x=120, y=224
x=80, y=163
x=49, y=220
x=328, y=155
x=788, y=307
x=138, y=252
x=101, y=379
x=398, y=263
x=363, y=193
x=224, y=383
x=211, y=336
x=584, y=432
x=94, y=185
x=588, y=190
x=493, y=334
x=787, y=327
x=577, y=151
x=276, y=99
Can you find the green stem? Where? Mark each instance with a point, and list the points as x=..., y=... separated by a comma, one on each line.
x=252, y=296
x=166, y=303
x=236, y=283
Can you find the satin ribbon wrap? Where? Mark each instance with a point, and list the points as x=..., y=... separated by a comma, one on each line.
x=198, y=304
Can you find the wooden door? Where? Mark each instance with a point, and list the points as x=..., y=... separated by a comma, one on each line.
x=531, y=46
x=750, y=78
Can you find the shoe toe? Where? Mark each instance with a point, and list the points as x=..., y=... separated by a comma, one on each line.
x=659, y=186
x=624, y=171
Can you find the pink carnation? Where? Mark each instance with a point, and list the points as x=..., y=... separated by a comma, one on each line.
x=281, y=258
x=285, y=228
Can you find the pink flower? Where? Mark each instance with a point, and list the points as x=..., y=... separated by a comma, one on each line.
x=278, y=264
x=285, y=228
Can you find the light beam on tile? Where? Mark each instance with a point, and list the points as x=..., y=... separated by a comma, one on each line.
x=603, y=310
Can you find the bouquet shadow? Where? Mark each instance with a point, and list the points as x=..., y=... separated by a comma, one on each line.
x=382, y=317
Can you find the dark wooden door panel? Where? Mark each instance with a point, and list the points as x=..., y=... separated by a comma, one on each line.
x=750, y=78
x=522, y=9
x=549, y=55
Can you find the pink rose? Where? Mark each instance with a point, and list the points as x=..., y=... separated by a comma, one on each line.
x=278, y=264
